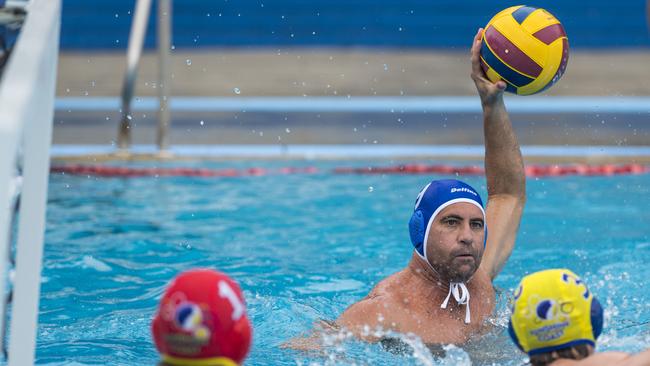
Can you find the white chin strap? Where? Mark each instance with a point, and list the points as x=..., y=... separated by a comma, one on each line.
x=461, y=295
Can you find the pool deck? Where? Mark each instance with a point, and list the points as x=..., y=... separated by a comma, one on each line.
x=329, y=72
x=235, y=75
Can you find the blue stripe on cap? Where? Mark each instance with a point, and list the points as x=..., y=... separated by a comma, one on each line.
x=512, y=76
x=576, y=342
x=522, y=13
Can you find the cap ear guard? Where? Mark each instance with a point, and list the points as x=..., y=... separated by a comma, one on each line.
x=596, y=317
x=416, y=231
x=513, y=336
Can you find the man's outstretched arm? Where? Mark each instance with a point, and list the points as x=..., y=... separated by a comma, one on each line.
x=504, y=169
x=609, y=359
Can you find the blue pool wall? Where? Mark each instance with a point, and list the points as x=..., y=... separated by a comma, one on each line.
x=104, y=24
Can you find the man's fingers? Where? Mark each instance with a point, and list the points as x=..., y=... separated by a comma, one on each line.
x=476, y=62
x=477, y=40
x=475, y=50
x=479, y=34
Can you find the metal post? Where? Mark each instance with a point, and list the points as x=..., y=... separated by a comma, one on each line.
x=164, y=75
x=8, y=143
x=28, y=81
x=136, y=40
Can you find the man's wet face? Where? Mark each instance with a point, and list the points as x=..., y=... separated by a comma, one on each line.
x=455, y=242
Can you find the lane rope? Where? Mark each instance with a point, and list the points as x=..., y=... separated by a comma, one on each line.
x=531, y=170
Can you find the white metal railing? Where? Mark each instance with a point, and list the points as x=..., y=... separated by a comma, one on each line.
x=26, y=110
x=13, y=12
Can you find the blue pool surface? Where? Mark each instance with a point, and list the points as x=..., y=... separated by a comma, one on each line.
x=303, y=248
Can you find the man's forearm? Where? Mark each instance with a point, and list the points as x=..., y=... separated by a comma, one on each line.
x=504, y=167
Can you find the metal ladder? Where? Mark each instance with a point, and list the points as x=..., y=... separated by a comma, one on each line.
x=136, y=41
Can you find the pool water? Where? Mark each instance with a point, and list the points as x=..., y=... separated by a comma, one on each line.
x=304, y=247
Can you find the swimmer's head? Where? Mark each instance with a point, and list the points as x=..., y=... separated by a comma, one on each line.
x=448, y=229
x=554, y=312
x=202, y=321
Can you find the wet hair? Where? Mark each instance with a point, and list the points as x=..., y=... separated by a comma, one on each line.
x=577, y=352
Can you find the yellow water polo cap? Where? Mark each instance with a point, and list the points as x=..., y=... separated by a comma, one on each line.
x=552, y=310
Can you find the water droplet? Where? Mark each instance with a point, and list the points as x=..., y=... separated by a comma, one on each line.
x=287, y=130
x=128, y=116
x=236, y=90
x=201, y=123
x=188, y=62
x=385, y=67
x=371, y=188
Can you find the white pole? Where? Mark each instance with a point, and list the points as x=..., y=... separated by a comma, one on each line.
x=164, y=74
x=35, y=54
x=136, y=40
x=8, y=139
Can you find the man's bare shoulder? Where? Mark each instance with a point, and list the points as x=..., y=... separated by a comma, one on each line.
x=373, y=311
x=389, y=287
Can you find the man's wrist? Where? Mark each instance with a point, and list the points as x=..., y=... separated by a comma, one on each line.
x=492, y=104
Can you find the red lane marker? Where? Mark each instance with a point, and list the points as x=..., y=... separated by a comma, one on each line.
x=530, y=170
x=115, y=171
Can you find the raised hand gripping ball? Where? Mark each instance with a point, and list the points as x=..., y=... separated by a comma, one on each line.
x=526, y=47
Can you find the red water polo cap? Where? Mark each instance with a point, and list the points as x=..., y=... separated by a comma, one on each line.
x=201, y=321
